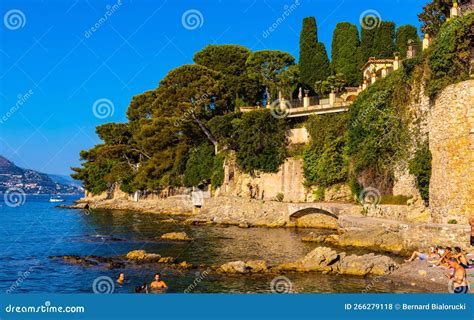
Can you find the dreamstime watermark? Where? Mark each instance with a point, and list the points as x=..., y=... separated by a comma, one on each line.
x=189, y=113
x=22, y=98
x=22, y=276
x=192, y=19
x=103, y=108
x=110, y=10
x=281, y=284
x=14, y=19
x=103, y=285
x=200, y=276
x=280, y=109
x=370, y=19
x=287, y=10
x=370, y=197
x=14, y=197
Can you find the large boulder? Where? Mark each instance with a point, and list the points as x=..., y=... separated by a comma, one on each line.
x=234, y=267
x=320, y=259
x=178, y=236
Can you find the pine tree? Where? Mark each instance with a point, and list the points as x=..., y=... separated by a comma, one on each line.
x=405, y=34
x=345, y=60
x=313, y=60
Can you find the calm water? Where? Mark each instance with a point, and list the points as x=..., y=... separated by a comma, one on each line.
x=32, y=232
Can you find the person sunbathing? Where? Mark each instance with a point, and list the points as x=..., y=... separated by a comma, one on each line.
x=461, y=257
x=458, y=277
x=433, y=254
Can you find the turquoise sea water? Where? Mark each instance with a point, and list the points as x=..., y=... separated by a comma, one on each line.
x=34, y=231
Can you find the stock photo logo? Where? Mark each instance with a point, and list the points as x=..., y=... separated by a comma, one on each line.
x=192, y=19
x=370, y=196
x=280, y=108
x=281, y=284
x=103, y=285
x=103, y=108
x=370, y=19
x=14, y=197
x=14, y=19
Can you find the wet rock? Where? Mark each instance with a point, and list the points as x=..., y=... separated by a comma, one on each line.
x=244, y=225
x=288, y=266
x=185, y=265
x=77, y=260
x=177, y=236
x=140, y=256
x=169, y=221
x=234, y=267
x=257, y=266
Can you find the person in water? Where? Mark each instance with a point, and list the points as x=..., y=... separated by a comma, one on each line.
x=461, y=257
x=121, y=278
x=158, y=284
x=458, y=277
x=433, y=254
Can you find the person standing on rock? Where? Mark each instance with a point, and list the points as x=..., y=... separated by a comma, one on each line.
x=471, y=222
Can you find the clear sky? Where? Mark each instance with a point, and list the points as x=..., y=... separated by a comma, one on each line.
x=54, y=66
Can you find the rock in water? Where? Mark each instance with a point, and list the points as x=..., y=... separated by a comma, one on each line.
x=366, y=264
x=142, y=256
x=320, y=259
x=256, y=265
x=178, y=236
x=234, y=267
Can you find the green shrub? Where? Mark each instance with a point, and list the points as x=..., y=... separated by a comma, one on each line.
x=449, y=54
x=324, y=162
x=452, y=221
x=420, y=167
x=217, y=175
x=199, y=165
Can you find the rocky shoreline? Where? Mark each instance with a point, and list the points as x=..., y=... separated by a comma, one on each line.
x=353, y=230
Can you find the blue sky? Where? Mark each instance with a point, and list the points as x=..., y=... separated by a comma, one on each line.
x=54, y=67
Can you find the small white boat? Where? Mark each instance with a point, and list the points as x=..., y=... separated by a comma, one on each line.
x=56, y=199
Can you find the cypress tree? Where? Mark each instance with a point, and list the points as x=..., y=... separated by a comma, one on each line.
x=313, y=60
x=404, y=34
x=378, y=42
x=345, y=60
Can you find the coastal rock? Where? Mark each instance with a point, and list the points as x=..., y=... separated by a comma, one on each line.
x=257, y=265
x=234, y=267
x=185, y=265
x=178, y=236
x=366, y=264
x=167, y=260
x=288, y=266
x=320, y=259
x=141, y=256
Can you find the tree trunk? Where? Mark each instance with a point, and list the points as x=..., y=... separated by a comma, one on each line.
x=207, y=133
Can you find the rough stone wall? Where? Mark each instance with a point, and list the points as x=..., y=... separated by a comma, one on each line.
x=451, y=137
x=298, y=136
x=288, y=181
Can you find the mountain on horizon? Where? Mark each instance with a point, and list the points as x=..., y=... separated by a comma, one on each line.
x=34, y=182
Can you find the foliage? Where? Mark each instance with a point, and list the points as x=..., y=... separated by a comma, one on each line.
x=449, y=54
x=335, y=83
x=378, y=42
x=199, y=165
x=434, y=14
x=420, y=167
x=345, y=41
x=452, y=221
x=324, y=162
x=377, y=132
x=230, y=60
x=217, y=176
x=261, y=141
x=267, y=65
x=223, y=129
x=313, y=60
x=406, y=35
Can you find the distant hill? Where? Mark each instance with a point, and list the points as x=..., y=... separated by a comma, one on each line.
x=34, y=182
